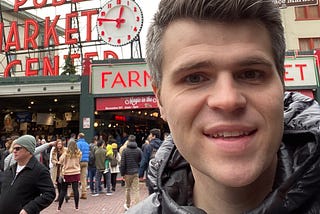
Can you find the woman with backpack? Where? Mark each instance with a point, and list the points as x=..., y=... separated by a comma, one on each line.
x=114, y=165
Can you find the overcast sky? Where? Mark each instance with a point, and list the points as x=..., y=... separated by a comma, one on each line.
x=148, y=8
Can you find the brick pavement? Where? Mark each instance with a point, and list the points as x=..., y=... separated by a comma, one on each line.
x=101, y=204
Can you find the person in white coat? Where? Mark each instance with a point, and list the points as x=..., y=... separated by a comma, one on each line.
x=114, y=166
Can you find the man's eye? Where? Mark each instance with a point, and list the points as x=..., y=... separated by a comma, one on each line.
x=251, y=75
x=195, y=78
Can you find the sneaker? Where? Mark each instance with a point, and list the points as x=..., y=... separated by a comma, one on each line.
x=109, y=193
x=95, y=195
x=125, y=207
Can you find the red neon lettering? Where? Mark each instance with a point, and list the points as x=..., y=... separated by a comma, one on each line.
x=69, y=30
x=106, y=55
x=146, y=78
x=118, y=80
x=90, y=55
x=29, y=71
x=17, y=4
x=134, y=77
x=57, y=2
x=286, y=73
x=104, y=78
x=48, y=69
x=30, y=39
x=50, y=31
x=39, y=5
x=301, y=66
x=89, y=14
x=13, y=37
x=10, y=65
x=86, y=67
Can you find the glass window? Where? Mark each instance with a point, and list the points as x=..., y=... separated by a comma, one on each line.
x=307, y=44
x=307, y=12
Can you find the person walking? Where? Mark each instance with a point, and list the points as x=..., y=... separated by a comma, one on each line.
x=85, y=150
x=114, y=165
x=129, y=169
x=70, y=173
x=149, y=153
x=57, y=152
x=26, y=186
x=143, y=168
x=107, y=172
x=92, y=165
x=100, y=158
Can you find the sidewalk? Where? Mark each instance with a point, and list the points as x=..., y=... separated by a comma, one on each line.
x=101, y=204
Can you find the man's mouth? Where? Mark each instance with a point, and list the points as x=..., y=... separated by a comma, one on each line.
x=229, y=134
x=226, y=134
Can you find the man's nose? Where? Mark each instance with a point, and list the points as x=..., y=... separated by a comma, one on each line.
x=226, y=94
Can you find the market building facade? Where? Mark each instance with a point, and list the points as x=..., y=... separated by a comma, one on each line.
x=106, y=94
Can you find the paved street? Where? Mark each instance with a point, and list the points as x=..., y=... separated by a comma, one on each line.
x=101, y=204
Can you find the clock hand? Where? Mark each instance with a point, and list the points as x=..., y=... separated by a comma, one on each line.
x=119, y=19
x=100, y=20
x=119, y=22
x=121, y=11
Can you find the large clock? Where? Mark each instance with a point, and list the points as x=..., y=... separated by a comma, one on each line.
x=119, y=22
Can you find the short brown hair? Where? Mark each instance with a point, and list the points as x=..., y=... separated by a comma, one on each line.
x=225, y=11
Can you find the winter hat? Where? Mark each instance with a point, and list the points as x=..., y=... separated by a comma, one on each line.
x=28, y=142
x=114, y=146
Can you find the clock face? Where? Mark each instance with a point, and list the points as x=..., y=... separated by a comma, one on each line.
x=119, y=22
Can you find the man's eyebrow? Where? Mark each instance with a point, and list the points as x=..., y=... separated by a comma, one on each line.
x=254, y=61
x=192, y=66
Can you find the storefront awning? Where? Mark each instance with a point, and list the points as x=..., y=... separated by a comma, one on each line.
x=125, y=103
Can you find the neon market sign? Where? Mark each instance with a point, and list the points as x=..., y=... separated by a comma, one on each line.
x=13, y=42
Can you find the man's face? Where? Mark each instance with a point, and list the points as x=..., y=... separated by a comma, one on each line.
x=20, y=153
x=151, y=136
x=222, y=98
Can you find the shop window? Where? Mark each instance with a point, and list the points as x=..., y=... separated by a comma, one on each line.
x=307, y=12
x=307, y=44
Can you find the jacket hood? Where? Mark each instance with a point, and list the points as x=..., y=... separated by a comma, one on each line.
x=155, y=143
x=297, y=183
x=132, y=145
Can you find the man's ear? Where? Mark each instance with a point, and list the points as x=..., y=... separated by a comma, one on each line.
x=156, y=92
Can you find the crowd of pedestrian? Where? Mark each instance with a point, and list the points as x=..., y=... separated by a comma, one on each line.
x=72, y=162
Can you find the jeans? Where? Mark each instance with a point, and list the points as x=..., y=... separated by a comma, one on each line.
x=97, y=186
x=114, y=180
x=91, y=175
x=108, y=180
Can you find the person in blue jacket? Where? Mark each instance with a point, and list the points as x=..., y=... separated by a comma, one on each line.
x=84, y=147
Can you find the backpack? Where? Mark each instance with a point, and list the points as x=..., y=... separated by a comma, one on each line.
x=114, y=161
x=92, y=158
